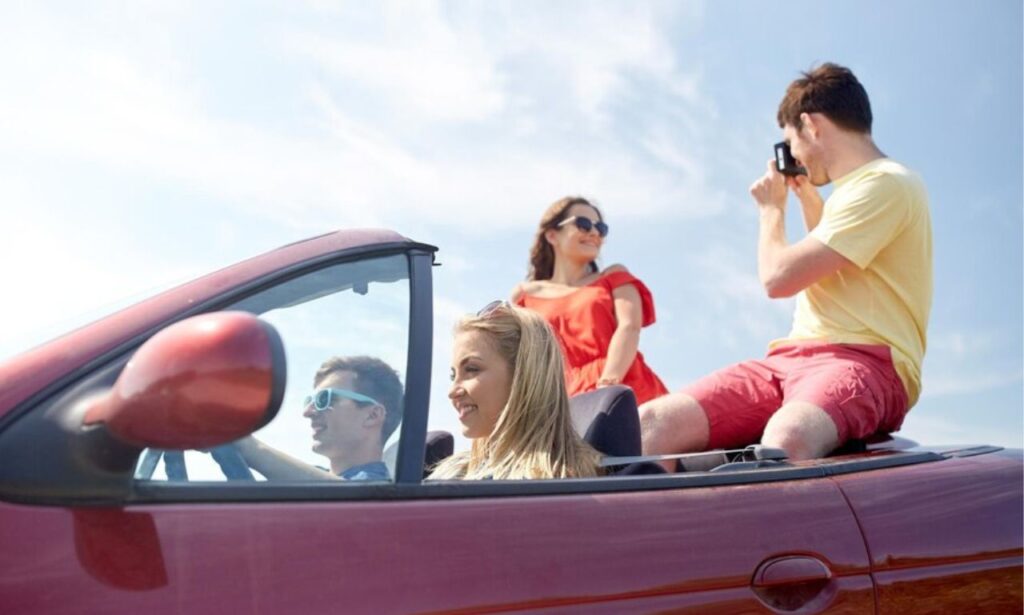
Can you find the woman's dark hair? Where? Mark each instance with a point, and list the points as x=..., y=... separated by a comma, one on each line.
x=542, y=255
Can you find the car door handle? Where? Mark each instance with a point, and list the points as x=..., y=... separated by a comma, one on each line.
x=788, y=582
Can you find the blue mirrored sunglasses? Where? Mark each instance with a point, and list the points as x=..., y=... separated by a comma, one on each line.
x=321, y=399
x=585, y=224
x=493, y=307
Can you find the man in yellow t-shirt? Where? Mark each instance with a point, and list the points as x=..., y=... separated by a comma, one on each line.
x=851, y=366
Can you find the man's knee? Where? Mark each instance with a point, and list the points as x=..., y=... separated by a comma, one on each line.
x=673, y=423
x=672, y=410
x=803, y=430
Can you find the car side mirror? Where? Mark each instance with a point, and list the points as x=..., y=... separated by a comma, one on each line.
x=199, y=383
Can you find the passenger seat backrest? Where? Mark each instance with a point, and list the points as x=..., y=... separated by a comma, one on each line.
x=439, y=446
x=608, y=420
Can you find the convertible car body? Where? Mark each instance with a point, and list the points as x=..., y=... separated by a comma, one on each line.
x=98, y=514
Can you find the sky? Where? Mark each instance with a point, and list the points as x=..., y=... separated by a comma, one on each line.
x=150, y=142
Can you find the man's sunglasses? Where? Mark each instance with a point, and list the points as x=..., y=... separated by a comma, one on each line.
x=586, y=224
x=322, y=399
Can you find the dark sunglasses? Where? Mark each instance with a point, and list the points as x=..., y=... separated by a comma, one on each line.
x=322, y=399
x=586, y=224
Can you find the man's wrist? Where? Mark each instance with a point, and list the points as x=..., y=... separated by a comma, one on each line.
x=772, y=214
x=780, y=204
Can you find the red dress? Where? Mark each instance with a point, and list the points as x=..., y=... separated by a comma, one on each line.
x=584, y=321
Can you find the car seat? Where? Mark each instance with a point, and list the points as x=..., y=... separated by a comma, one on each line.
x=439, y=446
x=608, y=420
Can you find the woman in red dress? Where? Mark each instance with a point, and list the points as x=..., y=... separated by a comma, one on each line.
x=596, y=314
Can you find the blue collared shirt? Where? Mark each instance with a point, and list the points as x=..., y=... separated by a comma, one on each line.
x=375, y=470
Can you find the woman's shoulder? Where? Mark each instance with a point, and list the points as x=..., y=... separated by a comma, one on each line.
x=616, y=275
x=541, y=289
x=616, y=268
x=620, y=282
x=528, y=287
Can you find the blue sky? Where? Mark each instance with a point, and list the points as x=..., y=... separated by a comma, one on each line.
x=159, y=140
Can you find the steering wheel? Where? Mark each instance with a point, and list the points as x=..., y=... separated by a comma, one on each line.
x=231, y=463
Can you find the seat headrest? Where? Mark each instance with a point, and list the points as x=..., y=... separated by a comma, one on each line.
x=439, y=446
x=608, y=420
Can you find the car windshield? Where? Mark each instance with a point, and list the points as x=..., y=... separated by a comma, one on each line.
x=344, y=328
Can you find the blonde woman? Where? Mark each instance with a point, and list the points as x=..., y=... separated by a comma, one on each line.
x=509, y=390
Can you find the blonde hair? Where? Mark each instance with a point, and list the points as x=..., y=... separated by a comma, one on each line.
x=534, y=436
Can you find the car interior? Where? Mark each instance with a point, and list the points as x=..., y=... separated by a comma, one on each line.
x=608, y=420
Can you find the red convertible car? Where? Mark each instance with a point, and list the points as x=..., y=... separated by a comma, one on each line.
x=120, y=490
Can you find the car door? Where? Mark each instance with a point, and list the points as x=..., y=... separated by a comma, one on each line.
x=440, y=548
x=945, y=536
x=748, y=541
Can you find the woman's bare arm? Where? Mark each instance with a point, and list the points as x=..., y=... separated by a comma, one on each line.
x=626, y=340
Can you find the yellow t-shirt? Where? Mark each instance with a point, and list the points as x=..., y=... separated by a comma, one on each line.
x=877, y=217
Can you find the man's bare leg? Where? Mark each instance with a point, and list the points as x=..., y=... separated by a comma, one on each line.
x=673, y=423
x=804, y=430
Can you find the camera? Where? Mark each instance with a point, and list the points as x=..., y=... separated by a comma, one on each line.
x=785, y=162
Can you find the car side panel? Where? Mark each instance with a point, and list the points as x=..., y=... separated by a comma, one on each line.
x=944, y=536
x=852, y=597
x=692, y=549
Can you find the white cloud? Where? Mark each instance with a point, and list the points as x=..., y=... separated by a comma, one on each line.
x=415, y=61
x=960, y=345
x=962, y=383
x=965, y=361
x=59, y=276
x=930, y=430
x=735, y=290
x=596, y=52
x=144, y=114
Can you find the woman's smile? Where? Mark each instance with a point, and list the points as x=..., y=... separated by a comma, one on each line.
x=481, y=383
x=464, y=410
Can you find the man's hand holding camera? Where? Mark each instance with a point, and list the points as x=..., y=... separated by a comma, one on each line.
x=770, y=190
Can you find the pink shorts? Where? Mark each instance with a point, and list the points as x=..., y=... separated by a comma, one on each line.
x=856, y=384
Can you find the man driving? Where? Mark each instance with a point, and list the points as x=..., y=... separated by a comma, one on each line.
x=355, y=406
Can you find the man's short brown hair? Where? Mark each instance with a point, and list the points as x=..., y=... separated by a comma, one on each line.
x=374, y=378
x=831, y=90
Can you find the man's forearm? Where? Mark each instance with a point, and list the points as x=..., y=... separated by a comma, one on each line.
x=812, y=213
x=770, y=246
x=276, y=465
